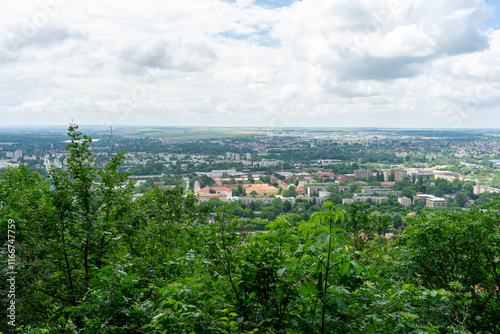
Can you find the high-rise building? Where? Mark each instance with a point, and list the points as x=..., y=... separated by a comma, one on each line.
x=404, y=201
x=399, y=174
x=395, y=174
x=232, y=156
x=17, y=154
x=363, y=173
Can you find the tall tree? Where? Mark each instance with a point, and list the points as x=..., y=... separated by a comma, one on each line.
x=68, y=225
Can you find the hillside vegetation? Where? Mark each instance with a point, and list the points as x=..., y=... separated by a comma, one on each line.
x=91, y=260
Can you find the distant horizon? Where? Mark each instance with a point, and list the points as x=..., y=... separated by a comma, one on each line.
x=95, y=126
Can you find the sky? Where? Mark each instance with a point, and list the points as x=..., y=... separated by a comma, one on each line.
x=251, y=63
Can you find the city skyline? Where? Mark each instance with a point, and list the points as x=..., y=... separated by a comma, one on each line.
x=251, y=63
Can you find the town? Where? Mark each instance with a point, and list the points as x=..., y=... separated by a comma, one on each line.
x=263, y=174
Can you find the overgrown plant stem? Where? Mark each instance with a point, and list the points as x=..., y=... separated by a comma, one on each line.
x=227, y=262
x=326, y=280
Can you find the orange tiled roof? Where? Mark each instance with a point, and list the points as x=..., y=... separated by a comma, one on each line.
x=258, y=187
x=214, y=188
x=211, y=195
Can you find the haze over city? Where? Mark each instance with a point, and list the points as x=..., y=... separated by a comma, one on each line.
x=409, y=63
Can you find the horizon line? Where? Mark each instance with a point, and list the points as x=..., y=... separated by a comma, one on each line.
x=243, y=127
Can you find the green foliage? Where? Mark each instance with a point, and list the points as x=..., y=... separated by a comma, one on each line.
x=458, y=252
x=91, y=260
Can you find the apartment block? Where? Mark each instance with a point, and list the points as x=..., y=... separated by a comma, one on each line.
x=363, y=173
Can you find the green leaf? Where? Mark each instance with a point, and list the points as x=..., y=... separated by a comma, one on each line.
x=371, y=272
x=322, y=239
x=341, y=304
x=345, y=268
x=318, y=267
x=357, y=266
x=389, y=326
x=281, y=271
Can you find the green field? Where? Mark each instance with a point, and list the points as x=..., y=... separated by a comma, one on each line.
x=182, y=134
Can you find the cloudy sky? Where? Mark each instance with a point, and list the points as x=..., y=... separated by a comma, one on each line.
x=269, y=63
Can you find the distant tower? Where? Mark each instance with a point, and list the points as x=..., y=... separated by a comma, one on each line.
x=111, y=140
x=196, y=186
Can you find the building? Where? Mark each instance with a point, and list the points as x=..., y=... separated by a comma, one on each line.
x=478, y=189
x=428, y=173
x=323, y=194
x=17, y=154
x=343, y=179
x=399, y=174
x=375, y=199
x=268, y=163
x=422, y=197
x=434, y=202
x=207, y=197
x=304, y=176
x=388, y=236
x=325, y=174
x=395, y=174
x=387, y=183
x=328, y=161
x=262, y=189
x=312, y=189
x=213, y=191
x=6, y=164
x=380, y=190
x=430, y=200
x=404, y=201
x=196, y=186
x=281, y=184
x=266, y=200
x=302, y=183
x=218, y=173
x=363, y=173
x=232, y=156
x=447, y=176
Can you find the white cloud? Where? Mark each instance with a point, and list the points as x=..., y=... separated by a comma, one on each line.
x=214, y=62
x=404, y=41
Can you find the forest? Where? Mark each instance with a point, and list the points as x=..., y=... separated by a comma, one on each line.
x=80, y=256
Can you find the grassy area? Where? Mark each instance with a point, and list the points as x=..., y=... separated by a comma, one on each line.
x=182, y=134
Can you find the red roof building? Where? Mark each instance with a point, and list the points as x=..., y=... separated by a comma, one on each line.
x=327, y=174
x=215, y=191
